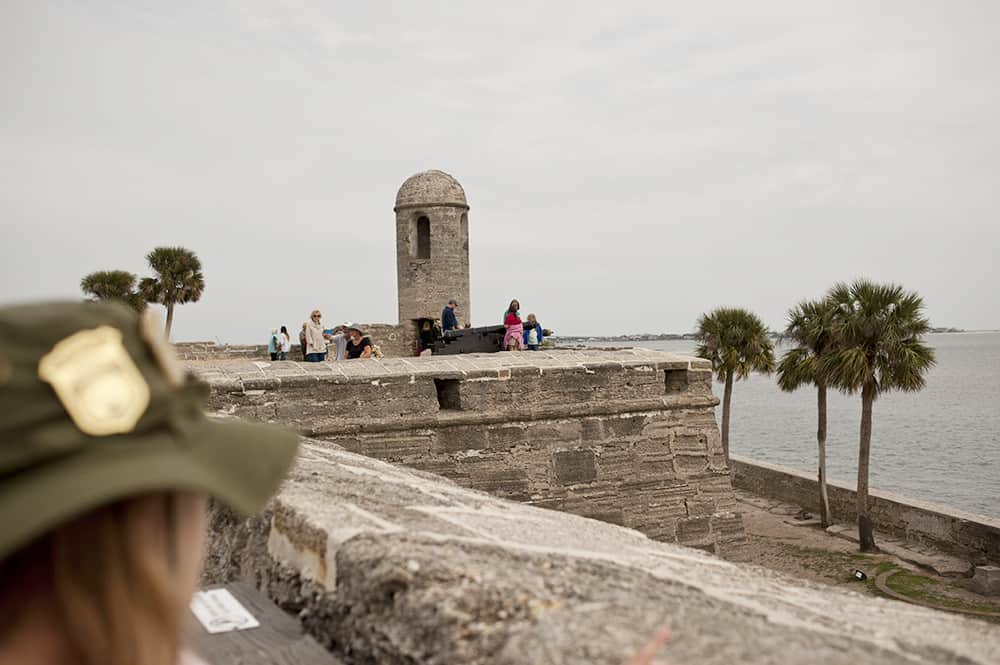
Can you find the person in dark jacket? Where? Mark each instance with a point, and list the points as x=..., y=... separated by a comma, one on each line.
x=429, y=334
x=449, y=322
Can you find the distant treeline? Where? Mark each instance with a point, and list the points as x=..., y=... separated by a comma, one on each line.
x=656, y=337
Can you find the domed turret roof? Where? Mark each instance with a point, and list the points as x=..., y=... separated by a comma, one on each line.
x=431, y=188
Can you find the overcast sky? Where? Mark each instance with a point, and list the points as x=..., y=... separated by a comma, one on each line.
x=628, y=165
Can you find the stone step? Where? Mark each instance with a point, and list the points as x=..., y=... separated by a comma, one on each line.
x=941, y=564
x=811, y=521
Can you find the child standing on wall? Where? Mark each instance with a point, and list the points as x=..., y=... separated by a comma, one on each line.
x=515, y=329
x=533, y=334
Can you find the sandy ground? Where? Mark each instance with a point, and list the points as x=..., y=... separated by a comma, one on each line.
x=779, y=541
x=808, y=552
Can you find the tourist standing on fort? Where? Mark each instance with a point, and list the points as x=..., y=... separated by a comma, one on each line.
x=449, y=322
x=302, y=340
x=274, y=344
x=358, y=345
x=533, y=333
x=315, y=341
x=339, y=340
x=286, y=344
x=107, y=466
x=513, y=338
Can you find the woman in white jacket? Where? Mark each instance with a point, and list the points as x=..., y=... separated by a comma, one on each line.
x=315, y=342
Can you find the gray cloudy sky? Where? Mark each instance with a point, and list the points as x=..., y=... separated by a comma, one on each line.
x=629, y=165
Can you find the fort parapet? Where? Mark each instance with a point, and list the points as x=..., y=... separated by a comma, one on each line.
x=627, y=437
x=387, y=565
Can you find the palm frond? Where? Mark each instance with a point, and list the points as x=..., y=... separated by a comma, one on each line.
x=877, y=331
x=734, y=340
x=178, y=280
x=117, y=285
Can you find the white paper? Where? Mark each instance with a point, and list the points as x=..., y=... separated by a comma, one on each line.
x=219, y=612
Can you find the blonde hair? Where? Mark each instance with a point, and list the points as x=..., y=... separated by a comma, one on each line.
x=110, y=585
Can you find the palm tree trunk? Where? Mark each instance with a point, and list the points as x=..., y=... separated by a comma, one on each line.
x=170, y=318
x=824, y=499
x=726, y=400
x=865, y=536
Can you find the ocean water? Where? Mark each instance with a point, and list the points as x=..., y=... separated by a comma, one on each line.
x=941, y=444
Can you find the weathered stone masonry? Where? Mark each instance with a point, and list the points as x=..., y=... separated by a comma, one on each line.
x=628, y=437
x=387, y=565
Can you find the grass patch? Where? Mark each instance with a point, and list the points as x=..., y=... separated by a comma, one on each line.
x=925, y=589
x=834, y=566
x=885, y=566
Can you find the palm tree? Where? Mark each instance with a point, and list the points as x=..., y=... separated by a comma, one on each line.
x=879, y=347
x=178, y=279
x=810, y=327
x=736, y=342
x=113, y=285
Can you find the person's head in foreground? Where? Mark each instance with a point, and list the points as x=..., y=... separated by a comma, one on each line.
x=106, y=465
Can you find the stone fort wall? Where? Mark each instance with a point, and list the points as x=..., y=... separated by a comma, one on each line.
x=628, y=437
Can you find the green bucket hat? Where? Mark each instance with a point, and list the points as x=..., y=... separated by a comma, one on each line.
x=95, y=407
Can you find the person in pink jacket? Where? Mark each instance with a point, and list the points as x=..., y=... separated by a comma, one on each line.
x=512, y=339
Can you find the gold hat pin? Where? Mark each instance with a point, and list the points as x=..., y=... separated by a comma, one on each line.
x=96, y=381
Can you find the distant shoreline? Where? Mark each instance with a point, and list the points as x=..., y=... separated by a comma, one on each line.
x=658, y=337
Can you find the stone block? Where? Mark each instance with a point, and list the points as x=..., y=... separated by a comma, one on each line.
x=549, y=503
x=714, y=440
x=658, y=464
x=615, y=464
x=657, y=489
x=506, y=436
x=607, y=514
x=693, y=530
x=553, y=433
x=729, y=534
x=592, y=431
x=686, y=465
x=574, y=466
x=699, y=507
x=657, y=520
x=657, y=428
x=623, y=427
x=688, y=441
x=491, y=475
x=403, y=449
x=699, y=382
x=717, y=463
x=986, y=580
x=459, y=438
x=447, y=468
